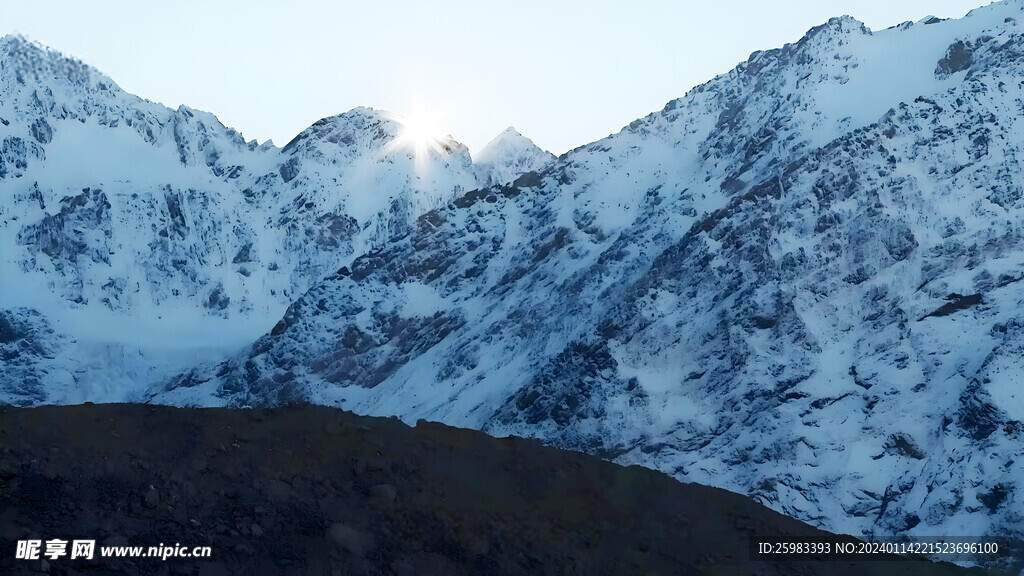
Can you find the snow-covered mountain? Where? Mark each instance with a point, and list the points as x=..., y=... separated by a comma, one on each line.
x=146, y=238
x=507, y=156
x=800, y=282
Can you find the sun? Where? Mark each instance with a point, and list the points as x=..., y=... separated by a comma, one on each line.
x=420, y=133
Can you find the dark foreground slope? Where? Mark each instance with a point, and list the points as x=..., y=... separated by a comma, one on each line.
x=314, y=490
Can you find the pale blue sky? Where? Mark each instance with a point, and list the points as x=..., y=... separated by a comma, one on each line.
x=564, y=73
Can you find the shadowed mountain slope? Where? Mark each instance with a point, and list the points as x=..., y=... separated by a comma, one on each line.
x=315, y=490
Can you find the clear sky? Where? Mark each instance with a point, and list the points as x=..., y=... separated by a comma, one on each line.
x=564, y=72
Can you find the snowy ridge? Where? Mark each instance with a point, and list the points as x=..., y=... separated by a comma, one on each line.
x=799, y=281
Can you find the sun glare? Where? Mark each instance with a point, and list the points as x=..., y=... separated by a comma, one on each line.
x=420, y=133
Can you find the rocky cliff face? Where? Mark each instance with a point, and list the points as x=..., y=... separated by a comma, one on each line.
x=800, y=282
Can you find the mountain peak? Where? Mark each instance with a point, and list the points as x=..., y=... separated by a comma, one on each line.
x=382, y=152
x=507, y=156
x=507, y=139
x=836, y=26
x=341, y=129
x=510, y=131
x=844, y=20
x=366, y=127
